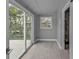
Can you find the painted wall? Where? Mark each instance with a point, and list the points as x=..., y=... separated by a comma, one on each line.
x=56, y=31
x=37, y=27
x=59, y=26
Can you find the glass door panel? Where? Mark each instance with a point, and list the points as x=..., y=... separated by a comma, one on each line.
x=16, y=31
x=28, y=30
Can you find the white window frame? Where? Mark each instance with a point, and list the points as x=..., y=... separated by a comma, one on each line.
x=46, y=27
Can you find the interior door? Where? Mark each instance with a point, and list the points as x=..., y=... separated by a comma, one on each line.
x=66, y=34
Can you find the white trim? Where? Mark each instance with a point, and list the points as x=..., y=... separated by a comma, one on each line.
x=63, y=14
x=25, y=30
x=46, y=39
x=51, y=40
x=66, y=5
x=59, y=44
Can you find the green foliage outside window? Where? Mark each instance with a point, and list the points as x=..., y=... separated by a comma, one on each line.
x=16, y=17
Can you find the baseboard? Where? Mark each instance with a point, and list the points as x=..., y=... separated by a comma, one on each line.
x=51, y=40
x=46, y=39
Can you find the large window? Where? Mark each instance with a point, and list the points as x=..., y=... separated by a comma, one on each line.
x=16, y=17
x=46, y=22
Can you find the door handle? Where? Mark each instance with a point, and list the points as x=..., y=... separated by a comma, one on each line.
x=8, y=51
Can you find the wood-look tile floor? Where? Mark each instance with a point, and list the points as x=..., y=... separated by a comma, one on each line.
x=46, y=50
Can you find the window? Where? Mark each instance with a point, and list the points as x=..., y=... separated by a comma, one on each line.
x=46, y=22
x=16, y=17
x=28, y=27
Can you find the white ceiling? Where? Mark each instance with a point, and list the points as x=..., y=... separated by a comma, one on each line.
x=43, y=7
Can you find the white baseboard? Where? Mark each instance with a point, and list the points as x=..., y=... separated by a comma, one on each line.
x=46, y=39
x=50, y=40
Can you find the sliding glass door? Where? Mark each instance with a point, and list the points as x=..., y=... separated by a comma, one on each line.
x=20, y=31
x=16, y=32
x=28, y=30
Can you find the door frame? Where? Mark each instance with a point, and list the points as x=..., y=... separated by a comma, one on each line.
x=65, y=26
x=63, y=19
x=32, y=28
x=69, y=4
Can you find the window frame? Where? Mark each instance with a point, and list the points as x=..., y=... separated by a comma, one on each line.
x=23, y=15
x=46, y=27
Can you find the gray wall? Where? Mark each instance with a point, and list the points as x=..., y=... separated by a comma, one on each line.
x=35, y=26
x=47, y=33
x=56, y=31
x=59, y=26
